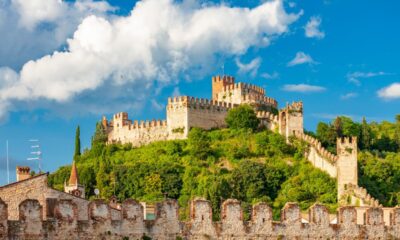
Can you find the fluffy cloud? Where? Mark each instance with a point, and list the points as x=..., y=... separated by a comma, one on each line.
x=158, y=41
x=390, y=92
x=355, y=77
x=31, y=29
x=303, y=88
x=301, y=58
x=251, y=67
x=312, y=28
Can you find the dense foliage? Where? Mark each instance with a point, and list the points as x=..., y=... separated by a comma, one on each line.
x=218, y=164
x=241, y=117
x=379, y=156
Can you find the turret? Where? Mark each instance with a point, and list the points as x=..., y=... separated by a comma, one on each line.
x=346, y=164
x=219, y=83
x=291, y=119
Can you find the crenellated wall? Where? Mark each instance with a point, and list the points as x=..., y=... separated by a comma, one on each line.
x=373, y=223
x=319, y=156
x=268, y=119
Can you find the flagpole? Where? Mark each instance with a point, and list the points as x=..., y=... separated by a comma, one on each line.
x=8, y=170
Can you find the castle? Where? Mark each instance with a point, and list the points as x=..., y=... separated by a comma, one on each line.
x=186, y=112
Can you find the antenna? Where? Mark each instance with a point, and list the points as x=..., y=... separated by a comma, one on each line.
x=36, y=152
x=8, y=169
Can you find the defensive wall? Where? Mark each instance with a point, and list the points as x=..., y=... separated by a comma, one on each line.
x=350, y=223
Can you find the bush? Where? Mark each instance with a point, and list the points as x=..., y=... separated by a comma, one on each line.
x=242, y=117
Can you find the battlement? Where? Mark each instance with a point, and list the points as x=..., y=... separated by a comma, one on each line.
x=244, y=87
x=267, y=115
x=362, y=194
x=23, y=170
x=225, y=79
x=203, y=103
x=318, y=146
x=347, y=142
x=377, y=223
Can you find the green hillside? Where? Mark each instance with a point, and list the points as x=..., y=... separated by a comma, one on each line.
x=239, y=162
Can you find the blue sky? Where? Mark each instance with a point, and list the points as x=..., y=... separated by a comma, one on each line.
x=338, y=57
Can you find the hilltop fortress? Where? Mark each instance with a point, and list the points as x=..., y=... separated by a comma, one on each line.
x=185, y=112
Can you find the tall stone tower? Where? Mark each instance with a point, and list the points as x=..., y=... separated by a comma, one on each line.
x=219, y=83
x=347, y=163
x=73, y=187
x=291, y=119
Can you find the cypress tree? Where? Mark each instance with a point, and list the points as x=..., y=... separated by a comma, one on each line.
x=77, y=143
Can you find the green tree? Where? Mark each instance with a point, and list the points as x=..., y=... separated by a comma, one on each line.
x=365, y=140
x=77, y=153
x=241, y=117
x=199, y=143
x=338, y=126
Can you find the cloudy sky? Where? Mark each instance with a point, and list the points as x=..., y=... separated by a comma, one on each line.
x=64, y=63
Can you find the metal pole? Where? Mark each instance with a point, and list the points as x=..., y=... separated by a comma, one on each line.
x=8, y=170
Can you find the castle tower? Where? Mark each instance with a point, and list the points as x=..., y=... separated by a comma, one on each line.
x=218, y=84
x=347, y=163
x=23, y=173
x=291, y=119
x=73, y=186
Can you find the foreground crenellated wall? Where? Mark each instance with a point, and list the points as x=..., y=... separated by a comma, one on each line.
x=100, y=225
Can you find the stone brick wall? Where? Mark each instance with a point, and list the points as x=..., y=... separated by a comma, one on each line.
x=36, y=188
x=374, y=223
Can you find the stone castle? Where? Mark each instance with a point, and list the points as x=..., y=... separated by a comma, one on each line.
x=186, y=112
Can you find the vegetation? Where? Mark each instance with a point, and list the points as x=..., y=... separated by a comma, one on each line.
x=242, y=116
x=77, y=152
x=379, y=156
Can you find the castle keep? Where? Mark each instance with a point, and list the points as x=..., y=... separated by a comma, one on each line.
x=185, y=112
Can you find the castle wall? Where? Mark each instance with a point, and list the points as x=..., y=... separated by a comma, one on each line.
x=352, y=223
x=138, y=133
x=319, y=156
x=320, y=162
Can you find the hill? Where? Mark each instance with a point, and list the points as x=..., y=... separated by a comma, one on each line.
x=249, y=165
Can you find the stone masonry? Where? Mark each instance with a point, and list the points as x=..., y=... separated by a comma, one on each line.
x=377, y=223
x=185, y=112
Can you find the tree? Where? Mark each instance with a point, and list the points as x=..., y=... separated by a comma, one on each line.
x=199, y=143
x=77, y=153
x=242, y=117
x=365, y=140
x=338, y=126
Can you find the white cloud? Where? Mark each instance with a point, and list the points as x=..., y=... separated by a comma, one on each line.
x=159, y=41
x=355, y=77
x=303, y=88
x=312, y=28
x=273, y=75
x=31, y=29
x=251, y=67
x=390, y=92
x=301, y=58
x=348, y=96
